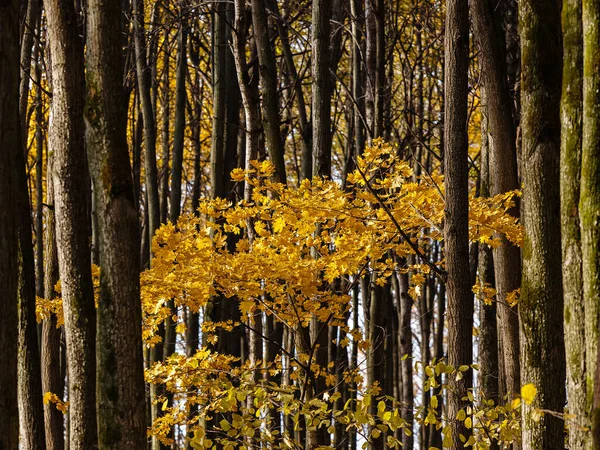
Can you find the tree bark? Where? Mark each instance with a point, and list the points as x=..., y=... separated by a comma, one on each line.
x=321, y=97
x=456, y=221
x=177, y=165
x=66, y=139
x=268, y=79
x=144, y=82
x=51, y=335
x=589, y=201
x=30, y=21
x=502, y=173
x=10, y=143
x=120, y=391
x=541, y=303
x=570, y=179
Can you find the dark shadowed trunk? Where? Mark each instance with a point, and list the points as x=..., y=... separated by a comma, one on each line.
x=121, y=406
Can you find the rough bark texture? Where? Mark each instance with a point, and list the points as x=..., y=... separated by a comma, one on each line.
x=31, y=413
x=177, y=165
x=488, y=331
x=219, y=85
x=589, y=202
x=29, y=25
x=375, y=66
x=66, y=139
x=456, y=232
x=9, y=145
x=541, y=303
x=406, y=349
x=502, y=173
x=50, y=351
x=570, y=178
x=143, y=78
x=268, y=79
x=121, y=406
x=321, y=97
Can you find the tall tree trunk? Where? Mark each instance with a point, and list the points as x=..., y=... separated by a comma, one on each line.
x=30, y=21
x=166, y=125
x=120, y=402
x=66, y=139
x=268, y=79
x=31, y=412
x=570, y=163
x=144, y=84
x=406, y=357
x=177, y=166
x=10, y=143
x=51, y=335
x=456, y=222
x=589, y=201
x=503, y=173
x=541, y=303
x=39, y=178
x=321, y=96
x=488, y=337
x=219, y=85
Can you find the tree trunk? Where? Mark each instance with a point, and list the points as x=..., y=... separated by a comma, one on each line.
x=177, y=165
x=570, y=163
x=268, y=79
x=456, y=226
x=31, y=412
x=488, y=336
x=589, y=201
x=321, y=97
x=120, y=402
x=166, y=120
x=10, y=143
x=541, y=303
x=51, y=335
x=66, y=139
x=144, y=82
x=503, y=174
x=29, y=26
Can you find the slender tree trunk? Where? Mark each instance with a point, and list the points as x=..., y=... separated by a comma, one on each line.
x=503, y=173
x=488, y=337
x=166, y=124
x=219, y=85
x=144, y=84
x=541, y=303
x=268, y=79
x=589, y=201
x=120, y=402
x=39, y=178
x=10, y=143
x=321, y=97
x=51, y=335
x=30, y=21
x=31, y=412
x=66, y=139
x=456, y=226
x=406, y=357
x=177, y=166
x=570, y=163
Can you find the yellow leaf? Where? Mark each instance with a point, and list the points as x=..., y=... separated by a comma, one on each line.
x=279, y=224
x=528, y=393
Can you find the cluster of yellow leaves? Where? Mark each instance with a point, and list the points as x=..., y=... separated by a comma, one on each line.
x=49, y=397
x=242, y=407
x=305, y=240
x=44, y=308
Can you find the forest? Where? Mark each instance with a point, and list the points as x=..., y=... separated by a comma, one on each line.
x=299, y=224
